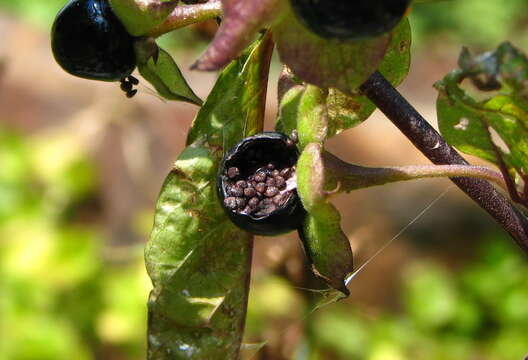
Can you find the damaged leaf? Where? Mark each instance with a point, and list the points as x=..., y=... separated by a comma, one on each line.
x=490, y=118
x=199, y=262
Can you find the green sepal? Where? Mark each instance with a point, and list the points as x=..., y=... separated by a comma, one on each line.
x=325, y=243
x=163, y=73
x=139, y=16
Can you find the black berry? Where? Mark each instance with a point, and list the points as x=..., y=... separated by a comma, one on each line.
x=268, y=204
x=350, y=19
x=89, y=41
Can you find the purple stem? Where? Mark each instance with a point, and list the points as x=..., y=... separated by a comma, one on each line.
x=434, y=147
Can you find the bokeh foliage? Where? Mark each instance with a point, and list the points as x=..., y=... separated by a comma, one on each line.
x=62, y=295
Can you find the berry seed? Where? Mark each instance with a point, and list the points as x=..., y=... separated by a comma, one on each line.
x=260, y=187
x=233, y=172
x=271, y=191
x=236, y=191
x=231, y=203
x=250, y=192
x=241, y=183
x=260, y=176
x=270, y=181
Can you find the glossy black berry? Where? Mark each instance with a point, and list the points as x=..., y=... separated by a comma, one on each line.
x=350, y=19
x=257, y=184
x=89, y=41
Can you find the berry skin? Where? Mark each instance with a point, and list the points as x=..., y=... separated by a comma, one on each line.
x=350, y=19
x=268, y=204
x=90, y=42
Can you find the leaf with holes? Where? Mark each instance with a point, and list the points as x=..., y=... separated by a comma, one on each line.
x=490, y=118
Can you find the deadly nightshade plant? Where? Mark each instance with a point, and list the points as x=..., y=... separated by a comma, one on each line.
x=232, y=179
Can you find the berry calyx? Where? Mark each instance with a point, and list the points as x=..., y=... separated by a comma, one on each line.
x=350, y=19
x=90, y=42
x=257, y=185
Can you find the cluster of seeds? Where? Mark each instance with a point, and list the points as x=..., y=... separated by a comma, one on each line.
x=262, y=192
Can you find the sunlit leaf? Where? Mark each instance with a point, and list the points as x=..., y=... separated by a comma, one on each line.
x=303, y=108
x=491, y=120
x=199, y=262
x=345, y=111
x=397, y=60
x=220, y=122
x=165, y=75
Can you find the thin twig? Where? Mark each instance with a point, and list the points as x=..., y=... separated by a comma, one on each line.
x=434, y=147
x=348, y=177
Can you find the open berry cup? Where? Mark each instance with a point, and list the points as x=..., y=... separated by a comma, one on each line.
x=257, y=184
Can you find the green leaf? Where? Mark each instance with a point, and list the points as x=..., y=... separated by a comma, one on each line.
x=303, y=108
x=397, y=60
x=199, y=262
x=139, y=16
x=318, y=114
x=165, y=75
x=461, y=126
x=496, y=104
x=219, y=122
x=289, y=109
x=325, y=243
x=345, y=112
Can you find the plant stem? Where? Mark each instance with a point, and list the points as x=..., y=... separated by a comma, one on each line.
x=434, y=147
x=185, y=15
x=348, y=177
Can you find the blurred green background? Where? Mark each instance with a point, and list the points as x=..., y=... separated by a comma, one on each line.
x=80, y=168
